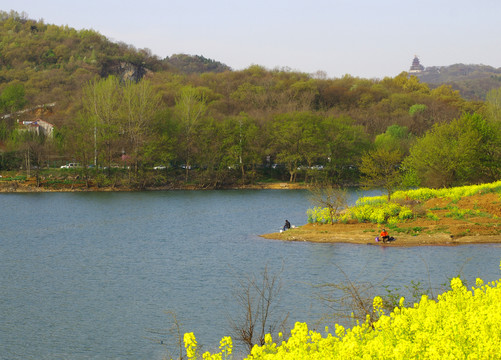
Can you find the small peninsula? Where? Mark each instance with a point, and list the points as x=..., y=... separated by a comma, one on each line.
x=442, y=220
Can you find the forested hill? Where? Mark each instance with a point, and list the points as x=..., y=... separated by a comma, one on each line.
x=191, y=113
x=54, y=62
x=472, y=81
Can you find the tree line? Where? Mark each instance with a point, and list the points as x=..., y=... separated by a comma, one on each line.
x=128, y=125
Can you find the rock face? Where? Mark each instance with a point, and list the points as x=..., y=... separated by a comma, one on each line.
x=131, y=72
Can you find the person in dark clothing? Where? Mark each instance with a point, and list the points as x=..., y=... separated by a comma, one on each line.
x=287, y=225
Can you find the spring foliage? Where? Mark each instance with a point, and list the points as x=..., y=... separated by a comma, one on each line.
x=460, y=324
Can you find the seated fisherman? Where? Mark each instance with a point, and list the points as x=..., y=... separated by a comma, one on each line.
x=384, y=235
x=287, y=225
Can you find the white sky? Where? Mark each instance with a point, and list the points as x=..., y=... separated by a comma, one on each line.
x=364, y=38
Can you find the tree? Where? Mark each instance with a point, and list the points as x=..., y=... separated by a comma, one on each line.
x=102, y=103
x=493, y=100
x=160, y=149
x=448, y=154
x=330, y=197
x=191, y=107
x=258, y=298
x=240, y=144
x=295, y=138
x=380, y=168
x=395, y=138
x=344, y=144
x=210, y=154
x=78, y=141
x=34, y=148
x=140, y=104
x=488, y=157
x=12, y=98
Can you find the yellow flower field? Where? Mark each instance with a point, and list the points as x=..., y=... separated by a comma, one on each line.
x=461, y=324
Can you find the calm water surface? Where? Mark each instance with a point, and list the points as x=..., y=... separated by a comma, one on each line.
x=89, y=275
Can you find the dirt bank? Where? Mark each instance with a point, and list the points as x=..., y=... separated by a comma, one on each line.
x=29, y=185
x=482, y=224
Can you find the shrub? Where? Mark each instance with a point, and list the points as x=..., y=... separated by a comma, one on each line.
x=382, y=213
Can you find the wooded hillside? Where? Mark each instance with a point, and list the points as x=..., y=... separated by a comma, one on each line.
x=119, y=106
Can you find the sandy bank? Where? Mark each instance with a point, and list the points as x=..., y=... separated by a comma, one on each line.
x=366, y=233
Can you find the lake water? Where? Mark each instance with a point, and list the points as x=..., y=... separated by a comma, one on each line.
x=90, y=275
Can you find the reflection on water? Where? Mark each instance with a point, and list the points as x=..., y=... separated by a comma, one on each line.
x=86, y=275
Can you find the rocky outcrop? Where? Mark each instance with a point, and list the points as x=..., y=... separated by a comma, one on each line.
x=131, y=72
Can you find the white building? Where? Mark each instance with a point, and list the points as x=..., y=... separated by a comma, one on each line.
x=39, y=127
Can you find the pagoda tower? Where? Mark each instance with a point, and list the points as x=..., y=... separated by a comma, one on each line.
x=416, y=67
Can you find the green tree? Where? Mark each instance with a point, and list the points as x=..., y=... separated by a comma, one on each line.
x=448, y=154
x=190, y=109
x=241, y=144
x=416, y=109
x=12, y=98
x=395, y=137
x=493, y=101
x=78, y=135
x=380, y=168
x=344, y=144
x=160, y=148
x=211, y=148
x=140, y=104
x=294, y=138
x=34, y=148
x=489, y=148
x=102, y=102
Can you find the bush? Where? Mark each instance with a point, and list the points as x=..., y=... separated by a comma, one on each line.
x=382, y=213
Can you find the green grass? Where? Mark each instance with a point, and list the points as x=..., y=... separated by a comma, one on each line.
x=14, y=178
x=414, y=231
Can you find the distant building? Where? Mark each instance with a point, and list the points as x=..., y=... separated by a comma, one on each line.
x=416, y=67
x=39, y=127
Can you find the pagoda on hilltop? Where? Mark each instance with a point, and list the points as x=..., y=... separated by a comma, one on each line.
x=416, y=67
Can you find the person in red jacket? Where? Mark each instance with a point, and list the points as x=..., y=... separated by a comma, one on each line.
x=384, y=235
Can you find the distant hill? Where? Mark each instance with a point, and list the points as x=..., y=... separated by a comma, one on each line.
x=472, y=81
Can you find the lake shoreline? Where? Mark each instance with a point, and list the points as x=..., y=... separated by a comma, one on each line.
x=30, y=187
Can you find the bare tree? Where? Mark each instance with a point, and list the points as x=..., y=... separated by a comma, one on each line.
x=348, y=299
x=331, y=197
x=171, y=338
x=258, y=298
x=353, y=300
